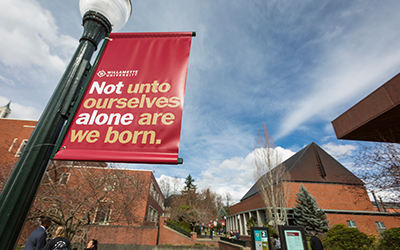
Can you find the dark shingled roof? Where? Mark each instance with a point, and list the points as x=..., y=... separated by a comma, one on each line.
x=313, y=164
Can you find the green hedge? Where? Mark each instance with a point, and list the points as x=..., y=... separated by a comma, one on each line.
x=340, y=237
x=390, y=239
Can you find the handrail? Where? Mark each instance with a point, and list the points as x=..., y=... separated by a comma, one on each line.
x=234, y=241
x=176, y=228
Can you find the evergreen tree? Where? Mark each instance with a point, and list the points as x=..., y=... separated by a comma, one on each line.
x=189, y=182
x=307, y=214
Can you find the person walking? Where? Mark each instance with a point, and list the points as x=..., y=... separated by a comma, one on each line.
x=37, y=239
x=276, y=241
x=60, y=241
x=315, y=242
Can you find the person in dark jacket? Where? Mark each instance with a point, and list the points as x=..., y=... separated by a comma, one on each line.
x=237, y=234
x=60, y=241
x=92, y=245
x=315, y=242
x=37, y=239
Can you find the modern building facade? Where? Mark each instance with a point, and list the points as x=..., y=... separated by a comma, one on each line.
x=337, y=191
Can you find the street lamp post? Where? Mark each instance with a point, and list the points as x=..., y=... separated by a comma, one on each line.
x=16, y=199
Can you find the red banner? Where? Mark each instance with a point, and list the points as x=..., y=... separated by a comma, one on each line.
x=132, y=108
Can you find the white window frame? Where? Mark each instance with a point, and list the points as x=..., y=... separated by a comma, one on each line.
x=106, y=220
x=12, y=145
x=351, y=224
x=152, y=214
x=381, y=226
x=21, y=147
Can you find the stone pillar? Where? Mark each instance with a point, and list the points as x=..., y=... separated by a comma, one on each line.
x=259, y=219
x=193, y=237
x=240, y=227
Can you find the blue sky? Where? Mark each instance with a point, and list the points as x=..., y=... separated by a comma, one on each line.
x=293, y=65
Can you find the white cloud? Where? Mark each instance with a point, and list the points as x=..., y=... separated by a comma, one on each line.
x=235, y=175
x=30, y=36
x=19, y=111
x=176, y=183
x=337, y=150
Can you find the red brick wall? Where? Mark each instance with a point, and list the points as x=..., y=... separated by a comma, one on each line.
x=253, y=202
x=124, y=235
x=334, y=196
x=11, y=129
x=168, y=236
x=227, y=246
x=365, y=223
x=328, y=196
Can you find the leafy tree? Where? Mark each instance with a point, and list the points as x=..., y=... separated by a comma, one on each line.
x=340, y=237
x=390, y=239
x=307, y=214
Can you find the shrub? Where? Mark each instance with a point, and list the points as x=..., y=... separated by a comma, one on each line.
x=252, y=222
x=390, y=239
x=340, y=237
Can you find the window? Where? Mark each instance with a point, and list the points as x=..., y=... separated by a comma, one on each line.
x=153, y=191
x=381, y=226
x=351, y=224
x=152, y=214
x=21, y=148
x=103, y=213
x=64, y=178
x=12, y=145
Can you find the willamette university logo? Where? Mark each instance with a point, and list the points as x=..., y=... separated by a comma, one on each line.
x=117, y=73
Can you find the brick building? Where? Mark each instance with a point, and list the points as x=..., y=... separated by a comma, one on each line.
x=337, y=191
x=110, y=220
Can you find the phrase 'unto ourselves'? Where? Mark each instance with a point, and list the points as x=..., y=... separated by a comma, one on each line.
x=143, y=100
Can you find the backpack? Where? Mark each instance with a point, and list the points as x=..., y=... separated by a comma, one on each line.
x=60, y=245
x=277, y=244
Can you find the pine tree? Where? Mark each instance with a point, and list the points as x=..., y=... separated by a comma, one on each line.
x=189, y=182
x=307, y=214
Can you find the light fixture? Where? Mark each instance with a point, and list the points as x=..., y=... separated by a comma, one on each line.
x=116, y=11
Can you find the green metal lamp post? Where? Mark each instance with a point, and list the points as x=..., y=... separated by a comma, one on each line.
x=16, y=199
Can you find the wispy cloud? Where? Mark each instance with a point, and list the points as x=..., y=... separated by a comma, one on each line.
x=7, y=81
x=359, y=54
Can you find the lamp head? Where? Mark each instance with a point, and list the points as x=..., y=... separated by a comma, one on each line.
x=116, y=11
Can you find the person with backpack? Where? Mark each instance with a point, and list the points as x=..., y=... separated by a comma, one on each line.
x=60, y=241
x=276, y=241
